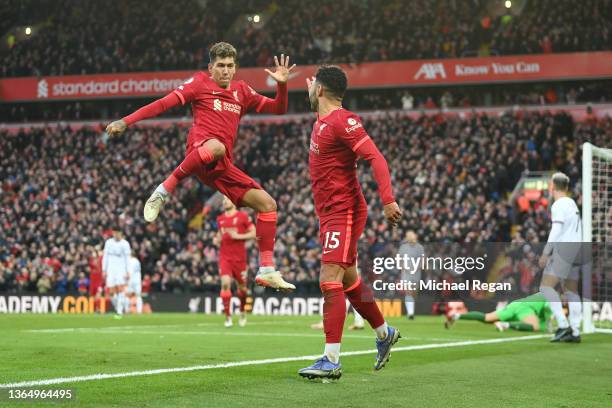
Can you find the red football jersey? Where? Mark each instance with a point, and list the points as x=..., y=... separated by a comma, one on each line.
x=333, y=161
x=233, y=249
x=217, y=111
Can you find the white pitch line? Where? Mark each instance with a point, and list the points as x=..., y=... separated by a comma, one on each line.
x=104, y=330
x=150, y=326
x=63, y=380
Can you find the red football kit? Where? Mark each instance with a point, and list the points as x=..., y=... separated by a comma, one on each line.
x=216, y=115
x=337, y=141
x=232, y=254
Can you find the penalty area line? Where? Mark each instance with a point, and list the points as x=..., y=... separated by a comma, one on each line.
x=94, y=377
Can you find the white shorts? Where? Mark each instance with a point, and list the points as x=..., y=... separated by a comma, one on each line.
x=559, y=267
x=134, y=287
x=412, y=277
x=114, y=279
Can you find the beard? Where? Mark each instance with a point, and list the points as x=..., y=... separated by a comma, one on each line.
x=314, y=103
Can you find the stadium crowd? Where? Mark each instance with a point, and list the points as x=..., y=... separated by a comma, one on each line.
x=63, y=188
x=120, y=36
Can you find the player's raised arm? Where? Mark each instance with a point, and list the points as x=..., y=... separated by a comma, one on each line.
x=278, y=105
x=148, y=111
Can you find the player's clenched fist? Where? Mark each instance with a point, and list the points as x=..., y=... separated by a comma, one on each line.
x=392, y=213
x=116, y=128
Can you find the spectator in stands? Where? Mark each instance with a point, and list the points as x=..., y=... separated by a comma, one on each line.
x=99, y=36
x=61, y=187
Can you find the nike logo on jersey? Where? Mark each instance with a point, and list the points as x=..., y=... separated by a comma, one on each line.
x=216, y=92
x=327, y=252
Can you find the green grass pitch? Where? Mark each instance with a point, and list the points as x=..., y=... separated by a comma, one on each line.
x=525, y=373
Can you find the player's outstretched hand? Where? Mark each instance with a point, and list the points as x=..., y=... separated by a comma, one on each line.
x=116, y=128
x=392, y=213
x=281, y=69
x=309, y=82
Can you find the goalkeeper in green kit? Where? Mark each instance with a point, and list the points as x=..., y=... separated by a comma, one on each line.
x=527, y=314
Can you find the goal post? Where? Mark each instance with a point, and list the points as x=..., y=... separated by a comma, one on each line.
x=597, y=234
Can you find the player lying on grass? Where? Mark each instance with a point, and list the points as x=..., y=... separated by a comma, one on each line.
x=337, y=141
x=218, y=103
x=234, y=229
x=531, y=313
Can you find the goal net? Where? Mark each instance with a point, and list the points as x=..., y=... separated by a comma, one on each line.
x=597, y=230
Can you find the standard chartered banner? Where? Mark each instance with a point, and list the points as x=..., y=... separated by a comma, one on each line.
x=513, y=68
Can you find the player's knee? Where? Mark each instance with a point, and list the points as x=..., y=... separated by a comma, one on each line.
x=217, y=149
x=571, y=286
x=268, y=205
x=331, y=273
x=545, y=287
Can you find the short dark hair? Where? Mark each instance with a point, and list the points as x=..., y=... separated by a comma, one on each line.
x=333, y=79
x=222, y=50
x=560, y=182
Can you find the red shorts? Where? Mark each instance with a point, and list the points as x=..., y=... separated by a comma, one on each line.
x=235, y=269
x=339, y=234
x=226, y=178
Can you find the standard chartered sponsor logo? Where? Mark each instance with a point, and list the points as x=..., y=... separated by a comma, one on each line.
x=114, y=87
x=227, y=106
x=42, y=90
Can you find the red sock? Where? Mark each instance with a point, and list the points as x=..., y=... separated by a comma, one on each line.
x=226, y=296
x=242, y=296
x=334, y=311
x=193, y=162
x=265, y=230
x=362, y=299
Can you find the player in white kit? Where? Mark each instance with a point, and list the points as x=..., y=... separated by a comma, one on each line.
x=134, y=286
x=411, y=249
x=115, y=264
x=561, y=261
